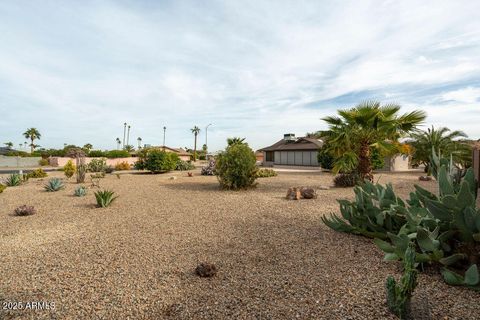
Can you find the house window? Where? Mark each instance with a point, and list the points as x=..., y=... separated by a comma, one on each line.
x=269, y=156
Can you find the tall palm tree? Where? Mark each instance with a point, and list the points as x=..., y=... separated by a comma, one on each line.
x=119, y=142
x=195, y=130
x=32, y=134
x=356, y=131
x=235, y=140
x=9, y=145
x=139, y=142
x=443, y=141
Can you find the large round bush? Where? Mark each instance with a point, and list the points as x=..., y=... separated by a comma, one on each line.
x=235, y=167
x=325, y=159
x=159, y=161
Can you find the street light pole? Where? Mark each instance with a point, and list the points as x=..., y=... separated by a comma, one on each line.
x=124, y=129
x=164, y=129
x=206, y=138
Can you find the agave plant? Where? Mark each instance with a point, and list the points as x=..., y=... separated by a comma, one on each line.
x=13, y=180
x=81, y=191
x=54, y=184
x=105, y=198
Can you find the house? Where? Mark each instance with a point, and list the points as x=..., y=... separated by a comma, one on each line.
x=292, y=151
x=182, y=154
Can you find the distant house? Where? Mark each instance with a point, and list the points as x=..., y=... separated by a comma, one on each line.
x=292, y=151
x=182, y=154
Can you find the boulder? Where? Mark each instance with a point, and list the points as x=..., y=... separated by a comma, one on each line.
x=308, y=193
x=324, y=188
x=425, y=178
x=293, y=193
x=206, y=270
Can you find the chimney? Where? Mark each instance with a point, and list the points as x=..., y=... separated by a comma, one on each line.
x=289, y=137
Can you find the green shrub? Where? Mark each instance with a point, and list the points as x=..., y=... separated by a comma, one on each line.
x=38, y=173
x=345, y=180
x=158, y=161
x=54, y=184
x=265, y=173
x=236, y=167
x=2, y=187
x=69, y=169
x=105, y=198
x=13, y=180
x=184, y=165
x=97, y=154
x=97, y=165
x=43, y=162
x=112, y=154
x=377, y=159
x=80, y=191
x=325, y=159
x=109, y=169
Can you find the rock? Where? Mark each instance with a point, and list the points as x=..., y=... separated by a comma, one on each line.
x=206, y=270
x=425, y=178
x=293, y=193
x=324, y=188
x=308, y=193
x=173, y=178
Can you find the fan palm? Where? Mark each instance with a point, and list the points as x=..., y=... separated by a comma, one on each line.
x=356, y=131
x=195, y=130
x=32, y=134
x=9, y=145
x=235, y=140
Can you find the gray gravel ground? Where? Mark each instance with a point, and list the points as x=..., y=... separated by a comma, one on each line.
x=136, y=259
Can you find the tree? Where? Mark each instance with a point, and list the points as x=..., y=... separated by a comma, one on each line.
x=139, y=142
x=444, y=142
x=129, y=148
x=235, y=140
x=195, y=130
x=355, y=131
x=32, y=134
x=119, y=142
x=87, y=147
x=9, y=145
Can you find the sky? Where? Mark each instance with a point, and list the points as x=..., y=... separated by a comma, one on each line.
x=78, y=70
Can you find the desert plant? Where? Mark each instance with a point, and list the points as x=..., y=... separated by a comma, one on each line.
x=97, y=165
x=98, y=175
x=97, y=154
x=265, y=173
x=54, y=184
x=43, y=162
x=184, y=165
x=13, y=180
x=2, y=187
x=122, y=166
x=112, y=154
x=209, y=169
x=325, y=159
x=105, y=198
x=69, y=169
x=37, y=173
x=25, y=210
x=109, y=169
x=236, y=167
x=345, y=180
x=80, y=191
x=81, y=172
x=158, y=161
x=399, y=295
x=32, y=134
x=471, y=279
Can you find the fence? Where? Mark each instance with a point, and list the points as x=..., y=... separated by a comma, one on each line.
x=476, y=164
x=19, y=162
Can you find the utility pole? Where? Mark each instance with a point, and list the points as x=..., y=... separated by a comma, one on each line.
x=124, y=129
x=206, y=137
x=164, y=129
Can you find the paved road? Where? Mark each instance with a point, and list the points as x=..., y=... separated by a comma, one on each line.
x=6, y=170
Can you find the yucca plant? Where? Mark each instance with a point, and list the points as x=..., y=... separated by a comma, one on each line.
x=13, y=180
x=80, y=191
x=105, y=198
x=54, y=184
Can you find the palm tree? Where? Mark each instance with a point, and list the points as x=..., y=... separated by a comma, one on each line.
x=9, y=145
x=118, y=143
x=235, y=140
x=87, y=147
x=195, y=130
x=443, y=141
x=356, y=131
x=32, y=134
x=129, y=148
x=139, y=142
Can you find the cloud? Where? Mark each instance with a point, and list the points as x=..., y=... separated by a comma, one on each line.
x=254, y=69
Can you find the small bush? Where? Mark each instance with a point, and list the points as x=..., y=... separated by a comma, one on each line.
x=97, y=165
x=2, y=187
x=236, y=167
x=97, y=154
x=80, y=191
x=158, y=161
x=25, y=210
x=109, y=169
x=377, y=158
x=209, y=170
x=43, y=162
x=112, y=154
x=345, y=180
x=69, y=169
x=325, y=159
x=54, y=184
x=13, y=180
x=184, y=165
x=105, y=198
x=123, y=166
x=38, y=173
x=98, y=175
x=265, y=173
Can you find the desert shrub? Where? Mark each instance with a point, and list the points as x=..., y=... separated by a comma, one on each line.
x=345, y=180
x=38, y=173
x=98, y=175
x=2, y=187
x=158, y=161
x=105, y=198
x=112, y=154
x=209, y=169
x=109, y=169
x=97, y=165
x=54, y=184
x=80, y=191
x=377, y=158
x=236, y=167
x=69, y=169
x=97, y=154
x=184, y=165
x=13, y=180
x=43, y=162
x=325, y=159
x=25, y=210
x=123, y=166
x=265, y=173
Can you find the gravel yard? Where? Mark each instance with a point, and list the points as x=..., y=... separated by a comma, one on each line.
x=136, y=259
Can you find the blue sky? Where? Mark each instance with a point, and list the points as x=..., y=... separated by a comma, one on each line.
x=77, y=70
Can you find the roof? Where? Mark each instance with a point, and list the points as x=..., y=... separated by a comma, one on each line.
x=179, y=151
x=301, y=144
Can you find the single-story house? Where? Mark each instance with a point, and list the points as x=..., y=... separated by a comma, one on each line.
x=182, y=154
x=292, y=151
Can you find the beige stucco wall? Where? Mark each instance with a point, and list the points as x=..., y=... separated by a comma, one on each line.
x=61, y=161
x=399, y=163
x=19, y=162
